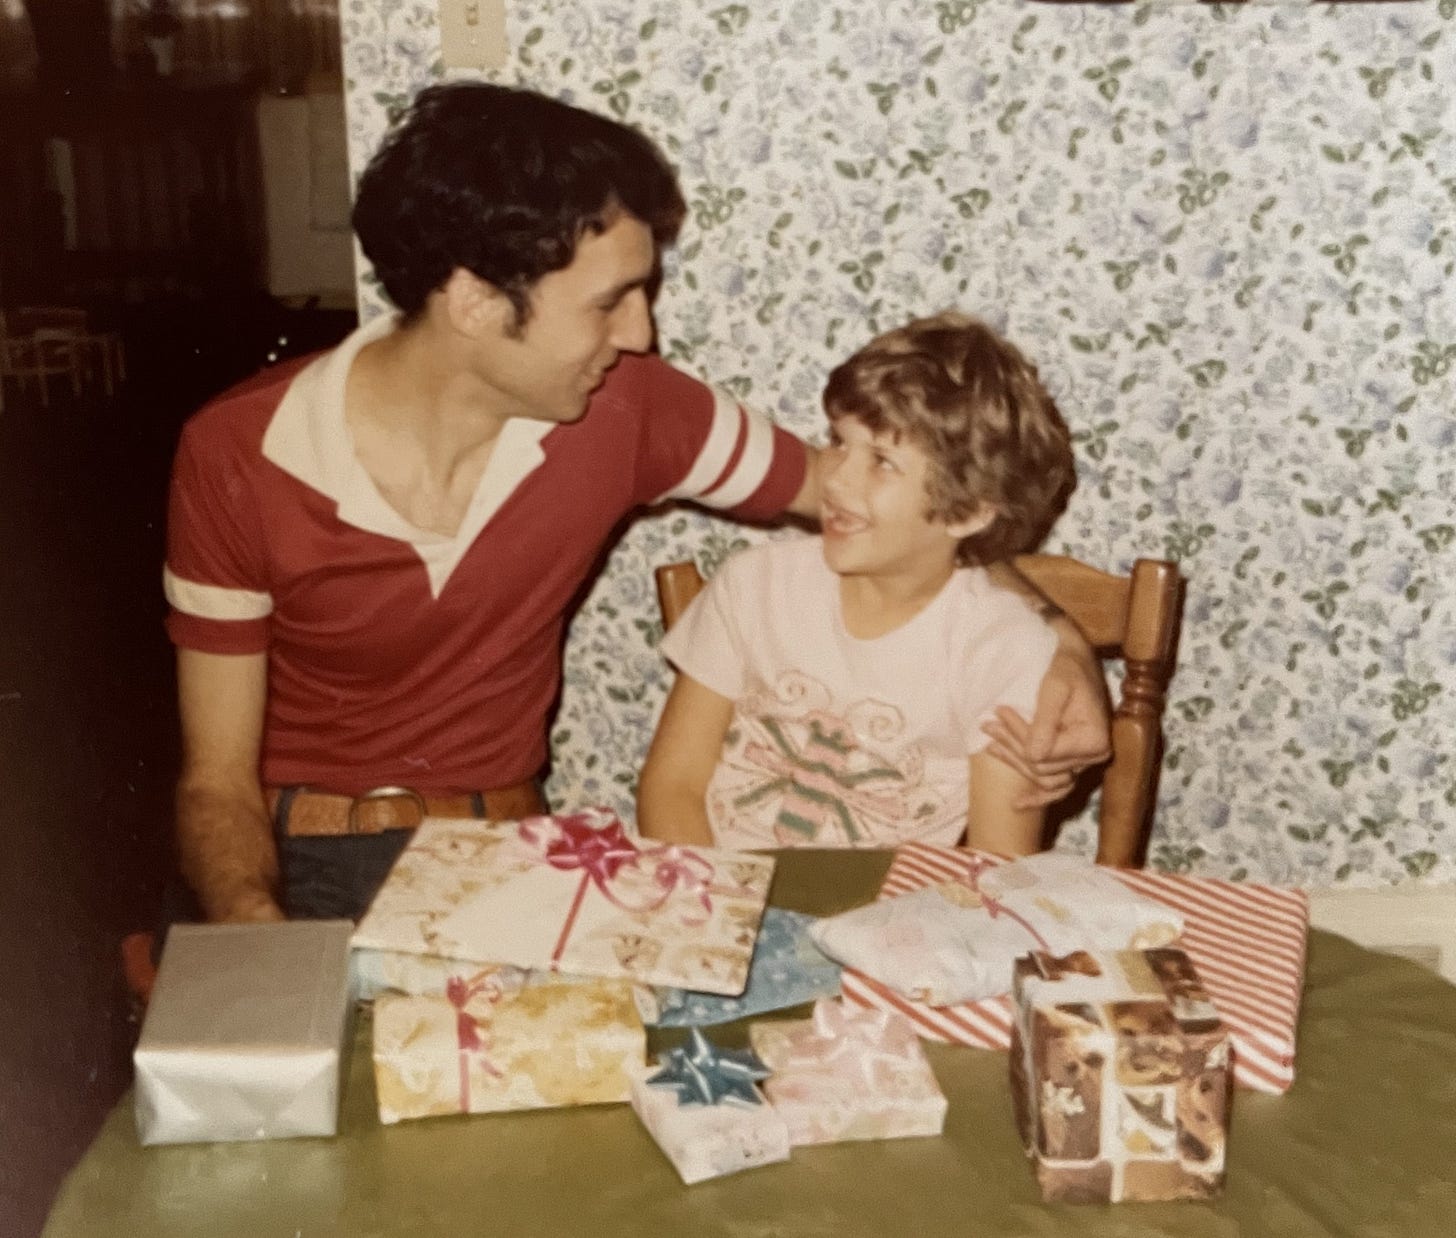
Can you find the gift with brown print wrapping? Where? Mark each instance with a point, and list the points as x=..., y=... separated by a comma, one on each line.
x=1119, y=1076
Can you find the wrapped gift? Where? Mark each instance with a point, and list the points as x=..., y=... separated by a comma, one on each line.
x=849, y=1074
x=703, y=1107
x=501, y=1038
x=957, y=940
x=374, y=972
x=243, y=1033
x=1119, y=1076
x=787, y=969
x=573, y=894
x=1246, y=940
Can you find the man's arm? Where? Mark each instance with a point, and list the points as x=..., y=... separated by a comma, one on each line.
x=1071, y=728
x=806, y=502
x=672, y=792
x=996, y=820
x=224, y=840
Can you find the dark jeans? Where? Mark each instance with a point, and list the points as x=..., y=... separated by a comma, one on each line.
x=336, y=876
x=329, y=878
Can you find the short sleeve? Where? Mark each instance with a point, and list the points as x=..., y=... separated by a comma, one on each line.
x=706, y=643
x=698, y=443
x=214, y=577
x=1004, y=665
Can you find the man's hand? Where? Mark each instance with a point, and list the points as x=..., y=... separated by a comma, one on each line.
x=1069, y=732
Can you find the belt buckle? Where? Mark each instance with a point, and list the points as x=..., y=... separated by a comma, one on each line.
x=376, y=794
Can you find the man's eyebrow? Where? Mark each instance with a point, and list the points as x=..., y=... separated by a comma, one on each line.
x=617, y=291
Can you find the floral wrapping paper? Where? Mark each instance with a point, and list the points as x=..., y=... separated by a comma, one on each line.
x=497, y=1039
x=573, y=894
x=709, y=1141
x=787, y=969
x=849, y=1074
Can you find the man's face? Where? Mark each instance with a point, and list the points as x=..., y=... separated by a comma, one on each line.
x=875, y=512
x=582, y=318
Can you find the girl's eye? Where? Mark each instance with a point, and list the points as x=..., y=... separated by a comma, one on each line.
x=884, y=463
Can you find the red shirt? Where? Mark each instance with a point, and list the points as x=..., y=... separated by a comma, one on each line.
x=399, y=656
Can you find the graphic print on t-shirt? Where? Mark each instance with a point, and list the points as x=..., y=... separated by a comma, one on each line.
x=796, y=772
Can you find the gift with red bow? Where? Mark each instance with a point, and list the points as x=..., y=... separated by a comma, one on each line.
x=498, y=1038
x=574, y=894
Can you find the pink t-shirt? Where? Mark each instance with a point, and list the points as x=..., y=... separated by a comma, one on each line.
x=842, y=742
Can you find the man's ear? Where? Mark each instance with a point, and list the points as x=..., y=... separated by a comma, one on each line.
x=475, y=306
x=980, y=519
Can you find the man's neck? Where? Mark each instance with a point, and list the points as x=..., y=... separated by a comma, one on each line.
x=423, y=426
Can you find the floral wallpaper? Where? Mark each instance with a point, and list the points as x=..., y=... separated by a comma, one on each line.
x=1226, y=233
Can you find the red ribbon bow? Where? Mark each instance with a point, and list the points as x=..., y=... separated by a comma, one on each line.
x=468, y=1035
x=595, y=844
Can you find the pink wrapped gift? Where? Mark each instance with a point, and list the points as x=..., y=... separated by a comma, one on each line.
x=1246, y=940
x=573, y=894
x=849, y=1074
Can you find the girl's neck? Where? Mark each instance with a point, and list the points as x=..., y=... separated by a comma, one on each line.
x=872, y=606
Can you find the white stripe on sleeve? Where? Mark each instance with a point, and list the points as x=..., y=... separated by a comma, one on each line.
x=752, y=466
x=716, y=451
x=214, y=601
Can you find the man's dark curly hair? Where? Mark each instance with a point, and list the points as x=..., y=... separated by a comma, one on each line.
x=502, y=182
x=974, y=404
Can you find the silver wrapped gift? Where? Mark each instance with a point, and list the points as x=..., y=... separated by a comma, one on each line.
x=244, y=1033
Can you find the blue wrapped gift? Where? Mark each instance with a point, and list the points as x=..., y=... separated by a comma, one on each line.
x=787, y=969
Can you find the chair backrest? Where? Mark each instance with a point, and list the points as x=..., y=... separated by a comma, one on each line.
x=27, y=318
x=1135, y=618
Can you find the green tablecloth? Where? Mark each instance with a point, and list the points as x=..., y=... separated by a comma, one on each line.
x=1364, y=1144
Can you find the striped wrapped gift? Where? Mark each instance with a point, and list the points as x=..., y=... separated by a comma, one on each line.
x=1246, y=940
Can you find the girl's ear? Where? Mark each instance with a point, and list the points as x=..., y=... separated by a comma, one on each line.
x=980, y=519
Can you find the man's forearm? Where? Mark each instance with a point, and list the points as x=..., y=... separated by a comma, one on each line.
x=1069, y=636
x=227, y=853
x=806, y=503
x=1004, y=574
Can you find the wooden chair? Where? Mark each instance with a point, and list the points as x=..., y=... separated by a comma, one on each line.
x=39, y=356
x=1135, y=618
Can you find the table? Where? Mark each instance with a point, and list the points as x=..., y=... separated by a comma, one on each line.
x=1364, y=1144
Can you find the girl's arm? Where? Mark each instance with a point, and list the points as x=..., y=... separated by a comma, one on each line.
x=994, y=821
x=672, y=791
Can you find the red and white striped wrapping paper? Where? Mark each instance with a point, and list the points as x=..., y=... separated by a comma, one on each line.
x=1247, y=941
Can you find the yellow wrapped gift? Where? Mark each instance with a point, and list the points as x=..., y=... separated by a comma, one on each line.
x=500, y=1038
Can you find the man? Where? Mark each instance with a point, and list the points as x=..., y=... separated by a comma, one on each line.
x=371, y=552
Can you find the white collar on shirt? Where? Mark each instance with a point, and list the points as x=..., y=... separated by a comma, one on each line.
x=309, y=439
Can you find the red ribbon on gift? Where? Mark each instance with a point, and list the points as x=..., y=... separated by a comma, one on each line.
x=595, y=843
x=994, y=907
x=470, y=1037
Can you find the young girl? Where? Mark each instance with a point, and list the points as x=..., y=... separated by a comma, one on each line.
x=831, y=690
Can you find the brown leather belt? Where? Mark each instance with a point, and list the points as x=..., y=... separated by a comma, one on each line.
x=314, y=813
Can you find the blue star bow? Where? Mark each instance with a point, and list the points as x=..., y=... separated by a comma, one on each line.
x=704, y=1074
